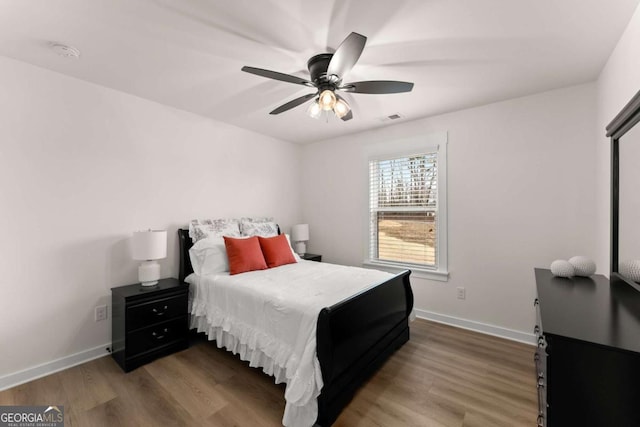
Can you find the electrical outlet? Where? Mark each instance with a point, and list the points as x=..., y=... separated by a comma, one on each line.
x=461, y=292
x=101, y=313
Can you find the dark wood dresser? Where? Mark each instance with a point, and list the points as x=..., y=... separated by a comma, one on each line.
x=149, y=322
x=588, y=354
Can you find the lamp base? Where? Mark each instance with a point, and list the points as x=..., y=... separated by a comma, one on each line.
x=301, y=248
x=149, y=273
x=149, y=284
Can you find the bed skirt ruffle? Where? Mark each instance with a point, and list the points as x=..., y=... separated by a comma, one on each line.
x=275, y=358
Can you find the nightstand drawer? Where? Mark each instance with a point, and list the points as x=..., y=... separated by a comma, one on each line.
x=148, y=313
x=155, y=336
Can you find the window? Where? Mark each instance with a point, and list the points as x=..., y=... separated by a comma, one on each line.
x=407, y=217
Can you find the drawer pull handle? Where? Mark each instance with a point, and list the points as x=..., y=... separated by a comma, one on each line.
x=160, y=313
x=159, y=337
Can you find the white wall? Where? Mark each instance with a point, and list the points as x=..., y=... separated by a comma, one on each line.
x=619, y=81
x=81, y=168
x=520, y=195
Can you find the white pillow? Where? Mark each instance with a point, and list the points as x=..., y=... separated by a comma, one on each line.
x=209, y=256
x=295, y=255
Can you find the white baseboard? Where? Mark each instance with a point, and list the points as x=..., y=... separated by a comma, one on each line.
x=483, y=328
x=35, y=372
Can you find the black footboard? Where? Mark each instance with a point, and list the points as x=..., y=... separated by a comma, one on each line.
x=356, y=336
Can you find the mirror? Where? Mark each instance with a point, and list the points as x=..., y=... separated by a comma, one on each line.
x=629, y=198
x=624, y=131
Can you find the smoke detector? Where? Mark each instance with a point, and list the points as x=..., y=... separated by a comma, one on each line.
x=65, y=51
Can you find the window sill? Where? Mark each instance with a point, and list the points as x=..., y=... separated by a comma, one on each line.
x=421, y=273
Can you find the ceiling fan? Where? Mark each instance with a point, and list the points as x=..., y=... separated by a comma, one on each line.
x=327, y=71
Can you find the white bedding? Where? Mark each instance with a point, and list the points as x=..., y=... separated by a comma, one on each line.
x=269, y=318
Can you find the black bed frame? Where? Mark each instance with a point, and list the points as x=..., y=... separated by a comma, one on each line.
x=354, y=337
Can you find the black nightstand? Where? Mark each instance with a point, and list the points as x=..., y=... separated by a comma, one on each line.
x=148, y=322
x=311, y=257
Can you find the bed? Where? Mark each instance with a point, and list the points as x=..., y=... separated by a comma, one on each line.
x=353, y=336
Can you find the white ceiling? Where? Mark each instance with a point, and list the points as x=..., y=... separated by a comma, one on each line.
x=188, y=53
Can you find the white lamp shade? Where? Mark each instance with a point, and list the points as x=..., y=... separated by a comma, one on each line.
x=148, y=245
x=300, y=233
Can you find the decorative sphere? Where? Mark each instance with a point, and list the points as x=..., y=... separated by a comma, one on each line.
x=562, y=268
x=583, y=266
x=630, y=269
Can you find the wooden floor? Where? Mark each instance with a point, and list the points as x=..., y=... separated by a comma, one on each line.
x=443, y=376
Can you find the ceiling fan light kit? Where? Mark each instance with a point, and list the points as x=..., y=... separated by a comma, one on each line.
x=341, y=108
x=314, y=111
x=327, y=71
x=327, y=100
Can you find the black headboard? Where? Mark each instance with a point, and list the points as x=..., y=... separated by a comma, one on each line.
x=185, y=243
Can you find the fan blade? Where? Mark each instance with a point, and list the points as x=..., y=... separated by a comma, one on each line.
x=346, y=55
x=377, y=87
x=348, y=116
x=277, y=76
x=293, y=103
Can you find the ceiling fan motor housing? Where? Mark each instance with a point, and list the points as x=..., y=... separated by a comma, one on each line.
x=317, y=66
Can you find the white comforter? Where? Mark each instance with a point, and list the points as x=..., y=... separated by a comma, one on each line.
x=269, y=318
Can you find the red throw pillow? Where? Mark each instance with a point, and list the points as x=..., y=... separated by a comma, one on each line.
x=276, y=250
x=244, y=255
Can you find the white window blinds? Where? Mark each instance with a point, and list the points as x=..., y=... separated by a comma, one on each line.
x=403, y=206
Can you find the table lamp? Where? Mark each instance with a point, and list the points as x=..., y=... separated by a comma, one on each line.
x=300, y=235
x=149, y=246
